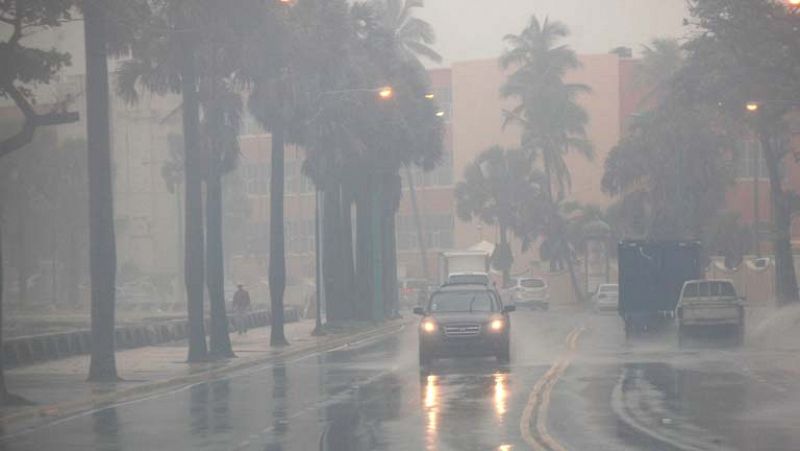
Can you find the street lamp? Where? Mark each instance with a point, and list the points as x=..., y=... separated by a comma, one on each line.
x=752, y=106
x=430, y=96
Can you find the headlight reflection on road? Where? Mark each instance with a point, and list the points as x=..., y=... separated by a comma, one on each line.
x=432, y=409
x=500, y=394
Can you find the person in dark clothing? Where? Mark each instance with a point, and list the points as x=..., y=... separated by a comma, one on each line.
x=241, y=305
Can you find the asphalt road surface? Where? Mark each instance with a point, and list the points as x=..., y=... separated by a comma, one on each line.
x=574, y=383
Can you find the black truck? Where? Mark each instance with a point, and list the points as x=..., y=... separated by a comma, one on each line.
x=651, y=275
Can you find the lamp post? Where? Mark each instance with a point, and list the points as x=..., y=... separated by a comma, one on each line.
x=753, y=107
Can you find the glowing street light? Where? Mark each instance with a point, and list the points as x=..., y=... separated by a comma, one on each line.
x=792, y=5
x=386, y=93
x=431, y=96
x=440, y=114
x=753, y=107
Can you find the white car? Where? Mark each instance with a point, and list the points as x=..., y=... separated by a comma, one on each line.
x=710, y=303
x=606, y=298
x=529, y=292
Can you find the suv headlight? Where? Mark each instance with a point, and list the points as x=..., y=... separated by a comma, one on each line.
x=428, y=326
x=496, y=325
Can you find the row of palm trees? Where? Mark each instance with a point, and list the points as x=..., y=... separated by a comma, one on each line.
x=523, y=191
x=308, y=71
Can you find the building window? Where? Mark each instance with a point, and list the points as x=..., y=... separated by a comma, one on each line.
x=250, y=125
x=438, y=229
x=300, y=236
x=750, y=160
x=444, y=98
x=440, y=176
x=256, y=178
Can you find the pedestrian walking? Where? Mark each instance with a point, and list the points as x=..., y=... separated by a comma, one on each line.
x=241, y=305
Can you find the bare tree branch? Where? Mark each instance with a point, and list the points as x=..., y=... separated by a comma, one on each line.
x=32, y=121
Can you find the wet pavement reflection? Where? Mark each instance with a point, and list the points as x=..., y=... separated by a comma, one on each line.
x=372, y=396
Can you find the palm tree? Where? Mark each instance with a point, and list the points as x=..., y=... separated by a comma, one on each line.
x=661, y=60
x=553, y=122
x=102, y=244
x=413, y=38
x=220, y=131
x=498, y=188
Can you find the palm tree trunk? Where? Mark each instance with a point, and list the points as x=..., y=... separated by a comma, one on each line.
x=6, y=398
x=331, y=236
x=423, y=249
x=220, y=341
x=390, y=293
x=785, y=278
x=505, y=246
x=3, y=388
x=102, y=244
x=573, y=277
x=347, y=262
x=23, y=265
x=364, y=255
x=277, y=254
x=193, y=248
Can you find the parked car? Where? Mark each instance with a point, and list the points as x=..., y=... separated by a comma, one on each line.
x=606, y=298
x=529, y=292
x=710, y=304
x=468, y=278
x=464, y=320
x=413, y=292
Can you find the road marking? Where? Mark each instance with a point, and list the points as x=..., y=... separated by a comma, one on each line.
x=539, y=400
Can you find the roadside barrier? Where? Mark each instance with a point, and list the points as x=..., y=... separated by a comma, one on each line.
x=30, y=349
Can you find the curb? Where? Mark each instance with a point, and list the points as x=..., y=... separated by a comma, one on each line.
x=321, y=344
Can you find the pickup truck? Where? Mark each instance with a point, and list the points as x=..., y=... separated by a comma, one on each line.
x=710, y=304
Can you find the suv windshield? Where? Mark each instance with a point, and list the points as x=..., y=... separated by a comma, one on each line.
x=463, y=301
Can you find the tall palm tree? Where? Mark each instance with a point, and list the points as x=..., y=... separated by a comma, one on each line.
x=102, y=244
x=497, y=189
x=413, y=38
x=220, y=131
x=552, y=121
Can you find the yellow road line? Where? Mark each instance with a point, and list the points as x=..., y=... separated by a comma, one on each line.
x=539, y=400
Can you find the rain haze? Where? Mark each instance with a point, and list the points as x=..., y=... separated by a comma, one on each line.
x=468, y=29
x=342, y=225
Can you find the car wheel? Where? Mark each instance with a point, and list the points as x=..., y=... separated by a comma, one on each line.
x=739, y=335
x=504, y=356
x=425, y=358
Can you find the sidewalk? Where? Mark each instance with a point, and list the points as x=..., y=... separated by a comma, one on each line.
x=59, y=387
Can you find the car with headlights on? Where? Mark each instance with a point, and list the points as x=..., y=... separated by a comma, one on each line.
x=464, y=321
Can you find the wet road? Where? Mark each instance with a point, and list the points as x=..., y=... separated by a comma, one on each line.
x=573, y=384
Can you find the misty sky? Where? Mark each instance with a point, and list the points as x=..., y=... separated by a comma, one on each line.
x=470, y=29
